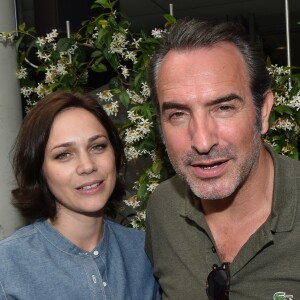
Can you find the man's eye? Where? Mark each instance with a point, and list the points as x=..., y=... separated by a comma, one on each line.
x=176, y=115
x=226, y=107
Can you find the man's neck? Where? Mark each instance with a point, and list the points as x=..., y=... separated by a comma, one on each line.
x=232, y=221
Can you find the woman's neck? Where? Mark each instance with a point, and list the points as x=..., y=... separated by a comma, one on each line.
x=83, y=231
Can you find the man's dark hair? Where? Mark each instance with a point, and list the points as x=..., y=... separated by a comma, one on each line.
x=191, y=34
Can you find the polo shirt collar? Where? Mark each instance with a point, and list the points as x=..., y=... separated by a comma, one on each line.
x=284, y=205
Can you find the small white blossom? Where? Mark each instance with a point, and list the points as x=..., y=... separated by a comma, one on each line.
x=26, y=91
x=22, y=73
x=130, y=55
x=105, y=95
x=284, y=124
x=50, y=37
x=136, y=43
x=118, y=43
x=131, y=153
x=132, y=203
x=124, y=71
x=295, y=102
x=41, y=41
x=111, y=108
x=7, y=37
x=152, y=186
x=41, y=90
x=157, y=33
x=152, y=175
x=134, y=97
x=132, y=116
x=145, y=90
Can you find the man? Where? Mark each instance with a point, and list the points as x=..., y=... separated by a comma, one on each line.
x=227, y=226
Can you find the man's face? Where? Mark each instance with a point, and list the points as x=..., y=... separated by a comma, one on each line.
x=208, y=118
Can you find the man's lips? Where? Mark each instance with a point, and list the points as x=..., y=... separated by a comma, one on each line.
x=209, y=169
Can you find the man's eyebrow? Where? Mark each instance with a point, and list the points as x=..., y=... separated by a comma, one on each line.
x=226, y=98
x=173, y=105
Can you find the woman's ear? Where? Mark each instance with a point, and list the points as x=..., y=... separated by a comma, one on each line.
x=266, y=110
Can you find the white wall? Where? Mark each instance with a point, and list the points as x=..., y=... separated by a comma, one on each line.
x=10, y=120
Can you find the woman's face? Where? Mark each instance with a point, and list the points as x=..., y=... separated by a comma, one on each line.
x=79, y=163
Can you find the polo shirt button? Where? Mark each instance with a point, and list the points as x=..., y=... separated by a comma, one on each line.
x=96, y=252
x=213, y=249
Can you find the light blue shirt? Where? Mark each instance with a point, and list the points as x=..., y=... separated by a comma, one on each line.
x=38, y=263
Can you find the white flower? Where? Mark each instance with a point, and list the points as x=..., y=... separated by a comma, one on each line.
x=157, y=33
x=152, y=175
x=134, y=97
x=7, y=37
x=131, y=153
x=41, y=41
x=152, y=186
x=145, y=90
x=295, y=102
x=105, y=95
x=130, y=55
x=132, y=203
x=132, y=116
x=118, y=43
x=124, y=71
x=22, y=73
x=132, y=136
x=284, y=124
x=26, y=91
x=50, y=37
x=111, y=108
x=136, y=43
x=41, y=90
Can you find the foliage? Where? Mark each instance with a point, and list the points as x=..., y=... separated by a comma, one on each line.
x=105, y=44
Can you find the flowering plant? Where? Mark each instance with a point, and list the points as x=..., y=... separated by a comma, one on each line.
x=106, y=44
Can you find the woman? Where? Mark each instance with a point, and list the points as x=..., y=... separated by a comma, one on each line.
x=68, y=158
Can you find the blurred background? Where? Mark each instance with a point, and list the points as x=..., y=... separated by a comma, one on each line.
x=265, y=19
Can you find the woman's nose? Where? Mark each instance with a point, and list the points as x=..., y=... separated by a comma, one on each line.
x=86, y=164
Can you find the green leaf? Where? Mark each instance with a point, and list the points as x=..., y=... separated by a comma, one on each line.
x=104, y=3
x=124, y=98
x=99, y=67
x=96, y=53
x=156, y=167
x=64, y=44
x=170, y=19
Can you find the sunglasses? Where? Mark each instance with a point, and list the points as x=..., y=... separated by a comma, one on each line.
x=218, y=282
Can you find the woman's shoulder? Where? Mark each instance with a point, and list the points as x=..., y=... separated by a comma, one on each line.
x=20, y=233
x=125, y=232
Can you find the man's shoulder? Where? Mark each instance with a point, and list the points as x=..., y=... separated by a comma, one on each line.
x=287, y=166
x=173, y=185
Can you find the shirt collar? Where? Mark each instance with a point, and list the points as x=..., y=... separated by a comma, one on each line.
x=63, y=244
x=285, y=194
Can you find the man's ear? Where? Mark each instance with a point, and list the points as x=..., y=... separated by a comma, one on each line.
x=266, y=110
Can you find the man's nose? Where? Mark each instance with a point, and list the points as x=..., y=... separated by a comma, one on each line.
x=203, y=131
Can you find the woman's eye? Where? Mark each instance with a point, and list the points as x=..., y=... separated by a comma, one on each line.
x=62, y=156
x=99, y=147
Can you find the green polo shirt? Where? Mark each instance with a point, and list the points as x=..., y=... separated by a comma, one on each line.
x=182, y=249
